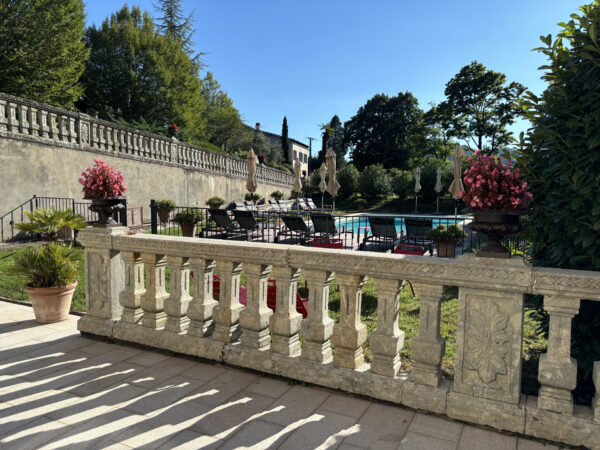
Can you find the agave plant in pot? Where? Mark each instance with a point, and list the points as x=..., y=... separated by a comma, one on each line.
x=105, y=186
x=50, y=270
x=497, y=197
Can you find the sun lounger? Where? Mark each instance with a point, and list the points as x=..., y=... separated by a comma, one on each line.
x=383, y=231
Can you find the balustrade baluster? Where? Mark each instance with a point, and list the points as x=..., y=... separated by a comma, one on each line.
x=108, y=137
x=3, y=118
x=226, y=314
x=23, y=122
x=101, y=139
x=557, y=372
x=13, y=122
x=387, y=340
x=254, y=318
x=54, y=134
x=349, y=334
x=176, y=305
x=428, y=347
x=154, y=298
x=318, y=326
x=71, y=121
x=285, y=322
x=200, y=310
x=63, y=128
x=32, y=117
x=131, y=296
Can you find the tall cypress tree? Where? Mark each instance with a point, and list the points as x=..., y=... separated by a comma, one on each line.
x=42, y=51
x=174, y=24
x=285, y=141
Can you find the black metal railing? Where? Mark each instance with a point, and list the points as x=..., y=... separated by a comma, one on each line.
x=272, y=225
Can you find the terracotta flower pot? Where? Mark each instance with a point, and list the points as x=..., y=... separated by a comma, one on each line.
x=188, y=229
x=51, y=304
x=445, y=249
x=163, y=215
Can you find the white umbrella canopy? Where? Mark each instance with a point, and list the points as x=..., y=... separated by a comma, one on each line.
x=417, y=180
x=333, y=185
x=322, y=175
x=438, y=183
x=251, y=182
x=297, y=173
x=457, y=185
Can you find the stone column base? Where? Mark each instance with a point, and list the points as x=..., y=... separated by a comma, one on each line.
x=96, y=325
x=256, y=339
x=319, y=352
x=428, y=398
x=286, y=345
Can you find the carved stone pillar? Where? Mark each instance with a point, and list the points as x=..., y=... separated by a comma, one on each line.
x=130, y=297
x=108, y=136
x=285, y=322
x=557, y=372
x=176, y=304
x=227, y=313
x=3, y=119
x=23, y=122
x=63, y=128
x=32, y=118
x=318, y=326
x=154, y=298
x=349, y=334
x=200, y=310
x=428, y=347
x=101, y=139
x=105, y=279
x=72, y=130
x=596, y=399
x=43, y=123
x=12, y=121
x=254, y=318
x=387, y=340
x=53, y=124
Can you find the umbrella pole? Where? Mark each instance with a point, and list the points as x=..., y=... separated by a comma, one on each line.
x=333, y=212
x=416, y=197
x=437, y=209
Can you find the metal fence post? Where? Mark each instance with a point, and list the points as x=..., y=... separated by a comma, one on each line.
x=73, y=206
x=153, y=217
x=123, y=213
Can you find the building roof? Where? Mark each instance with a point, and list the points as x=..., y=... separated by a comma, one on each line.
x=278, y=136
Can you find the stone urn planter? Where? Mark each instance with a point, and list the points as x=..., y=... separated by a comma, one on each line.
x=105, y=207
x=496, y=224
x=51, y=304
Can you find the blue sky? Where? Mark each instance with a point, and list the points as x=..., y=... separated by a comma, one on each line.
x=311, y=59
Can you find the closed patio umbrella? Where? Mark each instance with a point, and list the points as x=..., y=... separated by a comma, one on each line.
x=457, y=185
x=251, y=182
x=417, y=185
x=322, y=184
x=333, y=185
x=297, y=183
x=438, y=187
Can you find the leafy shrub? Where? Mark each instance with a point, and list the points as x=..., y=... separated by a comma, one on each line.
x=251, y=196
x=449, y=233
x=166, y=205
x=429, y=179
x=374, y=182
x=402, y=183
x=348, y=178
x=277, y=193
x=187, y=216
x=49, y=222
x=215, y=202
x=47, y=266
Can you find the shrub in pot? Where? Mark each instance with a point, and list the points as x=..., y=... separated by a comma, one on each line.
x=277, y=195
x=215, y=202
x=252, y=196
x=50, y=270
x=445, y=239
x=187, y=220
x=164, y=208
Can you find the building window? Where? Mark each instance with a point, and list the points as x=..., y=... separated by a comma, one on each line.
x=295, y=155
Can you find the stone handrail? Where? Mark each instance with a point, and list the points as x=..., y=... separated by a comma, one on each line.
x=125, y=304
x=29, y=120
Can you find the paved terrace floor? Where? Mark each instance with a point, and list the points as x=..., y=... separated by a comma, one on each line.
x=61, y=390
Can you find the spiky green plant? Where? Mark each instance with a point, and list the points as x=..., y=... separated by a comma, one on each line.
x=49, y=222
x=47, y=266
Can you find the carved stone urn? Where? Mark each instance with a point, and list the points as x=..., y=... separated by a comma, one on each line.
x=496, y=224
x=106, y=207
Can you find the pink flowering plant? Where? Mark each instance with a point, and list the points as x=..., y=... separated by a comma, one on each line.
x=102, y=180
x=492, y=184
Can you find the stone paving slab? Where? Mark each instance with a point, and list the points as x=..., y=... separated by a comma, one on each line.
x=61, y=390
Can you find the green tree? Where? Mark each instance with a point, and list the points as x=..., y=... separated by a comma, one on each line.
x=285, y=141
x=480, y=105
x=175, y=25
x=42, y=52
x=348, y=178
x=134, y=73
x=385, y=130
x=332, y=136
x=560, y=159
x=374, y=182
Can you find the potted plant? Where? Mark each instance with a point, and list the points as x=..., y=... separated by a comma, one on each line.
x=215, y=202
x=360, y=204
x=277, y=195
x=252, y=197
x=261, y=158
x=50, y=270
x=172, y=129
x=105, y=186
x=497, y=198
x=445, y=239
x=164, y=208
x=187, y=220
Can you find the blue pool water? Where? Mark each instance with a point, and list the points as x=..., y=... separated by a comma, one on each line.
x=354, y=223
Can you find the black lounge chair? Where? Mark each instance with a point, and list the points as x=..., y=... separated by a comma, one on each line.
x=283, y=206
x=383, y=231
x=222, y=220
x=247, y=222
x=250, y=206
x=294, y=226
x=323, y=224
x=416, y=232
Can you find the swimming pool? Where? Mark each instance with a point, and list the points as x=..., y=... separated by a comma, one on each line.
x=361, y=222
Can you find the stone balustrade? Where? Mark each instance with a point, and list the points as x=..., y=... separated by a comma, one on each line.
x=125, y=304
x=25, y=119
